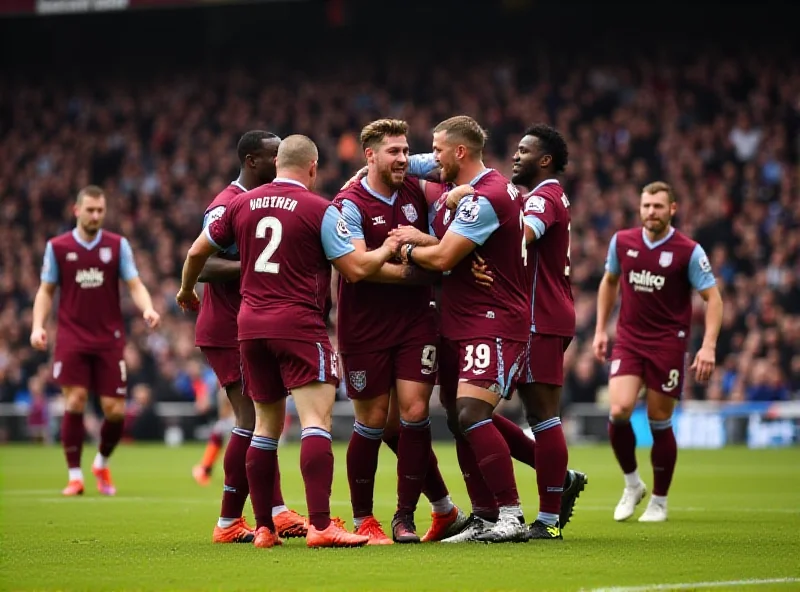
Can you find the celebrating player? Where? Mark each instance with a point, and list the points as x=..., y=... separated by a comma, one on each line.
x=87, y=264
x=657, y=267
x=388, y=340
x=482, y=339
x=286, y=235
x=216, y=335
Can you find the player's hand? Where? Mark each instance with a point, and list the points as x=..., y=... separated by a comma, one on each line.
x=704, y=363
x=360, y=174
x=455, y=195
x=39, y=339
x=408, y=235
x=480, y=271
x=151, y=318
x=188, y=300
x=600, y=346
x=392, y=243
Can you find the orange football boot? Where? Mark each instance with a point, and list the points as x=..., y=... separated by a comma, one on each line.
x=289, y=524
x=238, y=532
x=373, y=530
x=445, y=525
x=104, y=483
x=200, y=474
x=74, y=487
x=266, y=539
x=334, y=536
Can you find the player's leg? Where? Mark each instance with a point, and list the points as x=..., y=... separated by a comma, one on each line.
x=368, y=383
x=626, y=371
x=71, y=370
x=664, y=381
x=309, y=373
x=110, y=378
x=216, y=439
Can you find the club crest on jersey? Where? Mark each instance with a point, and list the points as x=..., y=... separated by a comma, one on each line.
x=665, y=259
x=57, y=369
x=358, y=379
x=614, y=366
x=410, y=212
x=105, y=254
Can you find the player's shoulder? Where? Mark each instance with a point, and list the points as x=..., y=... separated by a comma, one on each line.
x=411, y=186
x=629, y=235
x=63, y=238
x=111, y=237
x=683, y=240
x=493, y=184
x=355, y=193
x=224, y=197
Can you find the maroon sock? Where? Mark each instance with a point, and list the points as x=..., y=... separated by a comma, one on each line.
x=481, y=497
x=623, y=443
x=72, y=432
x=362, y=464
x=494, y=460
x=110, y=435
x=522, y=448
x=663, y=455
x=433, y=487
x=277, y=494
x=551, y=471
x=412, y=463
x=316, y=464
x=261, y=458
x=234, y=463
x=216, y=439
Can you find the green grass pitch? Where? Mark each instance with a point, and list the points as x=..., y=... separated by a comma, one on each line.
x=734, y=517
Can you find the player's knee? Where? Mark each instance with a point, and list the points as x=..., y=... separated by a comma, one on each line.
x=373, y=412
x=452, y=421
x=75, y=400
x=620, y=412
x=415, y=411
x=245, y=414
x=472, y=411
x=113, y=408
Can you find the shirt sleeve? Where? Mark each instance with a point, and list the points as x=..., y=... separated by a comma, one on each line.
x=127, y=266
x=475, y=219
x=539, y=214
x=420, y=165
x=220, y=231
x=49, y=265
x=700, y=274
x=352, y=220
x=335, y=234
x=612, y=261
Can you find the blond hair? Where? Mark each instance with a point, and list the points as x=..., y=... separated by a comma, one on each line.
x=90, y=191
x=463, y=129
x=296, y=152
x=658, y=187
x=375, y=132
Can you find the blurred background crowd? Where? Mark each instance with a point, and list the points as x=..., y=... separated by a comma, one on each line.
x=721, y=125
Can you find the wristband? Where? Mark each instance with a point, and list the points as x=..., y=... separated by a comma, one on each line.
x=409, y=259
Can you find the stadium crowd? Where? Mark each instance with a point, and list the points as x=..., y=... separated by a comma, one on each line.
x=723, y=129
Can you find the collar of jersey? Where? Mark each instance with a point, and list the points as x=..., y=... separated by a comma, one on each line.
x=290, y=181
x=479, y=176
x=83, y=243
x=376, y=195
x=239, y=185
x=542, y=184
x=659, y=242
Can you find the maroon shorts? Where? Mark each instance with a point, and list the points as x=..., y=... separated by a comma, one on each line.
x=225, y=362
x=271, y=368
x=102, y=373
x=372, y=374
x=492, y=363
x=544, y=359
x=661, y=370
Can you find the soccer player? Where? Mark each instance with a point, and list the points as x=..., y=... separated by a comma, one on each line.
x=286, y=237
x=388, y=340
x=216, y=335
x=656, y=268
x=482, y=339
x=87, y=263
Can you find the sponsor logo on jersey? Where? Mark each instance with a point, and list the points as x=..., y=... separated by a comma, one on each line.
x=646, y=281
x=376, y=220
x=632, y=253
x=535, y=204
x=89, y=278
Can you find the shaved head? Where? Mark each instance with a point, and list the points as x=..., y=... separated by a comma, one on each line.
x=296, y=152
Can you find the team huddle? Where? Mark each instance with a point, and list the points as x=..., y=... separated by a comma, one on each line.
x=447, y=273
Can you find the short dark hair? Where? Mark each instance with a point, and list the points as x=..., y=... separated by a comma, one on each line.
x=374, y=133
x=553, y=144
x=251, y=142
x=658, y=187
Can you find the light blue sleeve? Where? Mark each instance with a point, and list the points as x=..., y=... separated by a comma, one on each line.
x=352, y=218
x=335, y=234
x=49, y=266
x=420, y=165
x=700, y=275
x=208, y=218
x=536, y=225
x=475, y=219
x=127, y=266
x=612, y=261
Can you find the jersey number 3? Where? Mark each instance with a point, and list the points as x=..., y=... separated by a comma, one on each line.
x=263, y=264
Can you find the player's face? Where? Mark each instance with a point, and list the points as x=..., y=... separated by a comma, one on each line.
x=90, y=214
x=263, y=161
x=445, y=154
x=528, y=160
x=656, y=211
x=390, y=158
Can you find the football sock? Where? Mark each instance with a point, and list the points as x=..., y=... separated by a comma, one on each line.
x=72, y=432
x=110, y=435
x=521, y=447
x=632, y=479
x=433, y=487
x=551, y=464
x=494, y=460
x=547, y=518
x=234, y=463
x=623, y=443
x=262, y=455
x=442, y=506
x=663, y=455
x=362, y=464
x=277, y=494
x=413, y=460
x=481, y=497
x=316, y=465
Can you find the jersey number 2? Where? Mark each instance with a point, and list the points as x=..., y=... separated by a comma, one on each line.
x=263, y=264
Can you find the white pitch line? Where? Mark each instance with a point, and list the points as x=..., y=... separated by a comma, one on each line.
x=697, y=585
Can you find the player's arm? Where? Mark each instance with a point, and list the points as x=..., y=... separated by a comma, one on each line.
x=539, y=215
x=402, y=273
x=606, y=297
x=215, y=237
x=139, y=293
x=218, y=269
x=702, y=279
x=474, y=222
x=43, y=302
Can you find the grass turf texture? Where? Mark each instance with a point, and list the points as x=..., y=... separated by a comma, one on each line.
x=734, y=515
